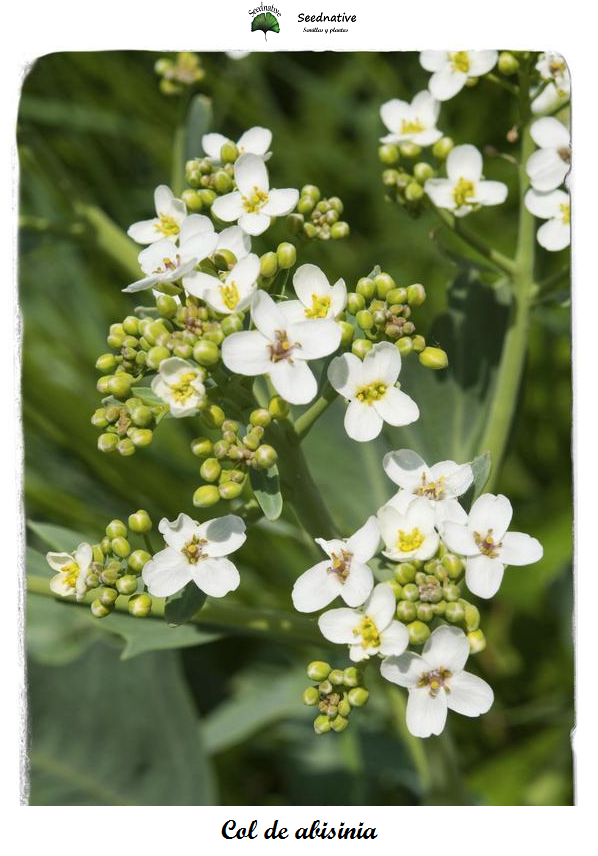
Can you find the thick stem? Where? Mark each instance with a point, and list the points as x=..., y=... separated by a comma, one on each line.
x=499, y=260
x=307, y=420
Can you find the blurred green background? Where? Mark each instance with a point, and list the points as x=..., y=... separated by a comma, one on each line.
x=221, y=722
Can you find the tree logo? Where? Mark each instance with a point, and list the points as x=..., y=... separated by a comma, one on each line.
x=264, y=19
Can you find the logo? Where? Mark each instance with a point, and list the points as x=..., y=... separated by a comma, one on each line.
x=264, y=18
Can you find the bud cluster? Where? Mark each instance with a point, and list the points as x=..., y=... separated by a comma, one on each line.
x=273, y=262
x=405, y=176
x=207, y=180
x=336, y=693
x=318, y=217
x=126, y=427
x=176, y=74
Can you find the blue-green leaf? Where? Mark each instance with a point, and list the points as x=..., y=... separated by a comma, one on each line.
x=182, y=606
x=266, y=487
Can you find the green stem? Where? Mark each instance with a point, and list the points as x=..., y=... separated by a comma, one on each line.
x=264, y=622
x=304, y=424
x=417, y=751
x=178, y=144
x=510, y=87
x=498, y=259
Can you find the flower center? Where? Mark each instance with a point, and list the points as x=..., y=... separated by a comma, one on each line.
x=463, y=191
x=460, y=61
x=565, y=154
x=168, y=265
x=193, y=550
x=431, y=490
x=372, y=392
x=329, y=703
x=71, y=572
x=408, y=541
x=230, y=294
x=412, y=126
x=430, y=593
x=487, y=545
x=565, y=213
x=319, y=307
x=341, y=565
x=183, y=389
x=282, y=348
x=167, y=225
x=256, y=200
x=557, y=66
x=370, y=636
x=435, y=680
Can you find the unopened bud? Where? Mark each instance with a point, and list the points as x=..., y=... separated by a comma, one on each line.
x=406, y=611
x=433, y=358
x=360, y=347
x=358, y=696
x=121, y=547
x=231, y=324
x=312, y=191
x=140, y=522
x=454, y=612
x=127, y=584
x=106, y=363
x=388, y=154
x=355, y=302
x=443, y=147
x=350, y=676
x=166, y=305
x=140, y=604
x=286, y=255
x=384, y=283
x=365, y=319
x=108, y=597
x=410, y=150
x=210, y=470
x=507, y=63
x=116, y=529
x=278, y=408
x=100, y=610
x=206, y=496
x=416, y=294
x=311, y=696
x=414, y=192
x=318, y=670
x=213, y=416
x=471, y=617
x=107, y=442
x=265, y=456
x=339, y=230
x=453, y=565
x=336, y=676
x=422, y=172
x=206, y=353
x=268, y=264
x=339, y=723
x=229, y=152
x=418, y=632
x=321, y=724
x=137, y=560
x=202, y=447
x=477, y=641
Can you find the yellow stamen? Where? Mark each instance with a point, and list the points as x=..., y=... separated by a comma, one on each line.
x=432, y=490
x=256, y=200
x=341, y=565
x=412, y=126
x=230, y=295
x=486, y=544
x=409, y=541
x=460, y=61
x=167, y=225
x=370, y=635
x=319, y=307
x=435, y=680
x=182, y=389
x=565, y=213
x=193, y=550
x=371, y=393
x=463, y=191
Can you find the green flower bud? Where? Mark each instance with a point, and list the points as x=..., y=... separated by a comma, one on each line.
x=347, y=333
x=97, y=554
x=100, y=610
x=442, y=148
x=120, y=547
x=127, y=584
x=229, y=152
x=339, y=230
x=309, y=230
x=312, y=191
x=339, y=723
x=305, y=205
x=425, y=612
x=140, y=522
x=351, y=677
x=230, y=490
x=231, y=324
x=206, y=353
x=166, y=305
x=318, y=671
x=416, y=294
x=286, y=255
x=414, y=192
x=325, y=687
x=451, y=592
x=225, y=260
x=140, y=604
x=107, y=442
x=410, y=150
x=141, y=437
x=131, y=325
x=507, y=63
x=92, y=581
x=265, y=457
x=108, y=597
x=260, y=417
x=98, y=420
x=278, y=408
x=321, y=724
x=119, y=385
x=411, y=592
x=477, y=641
x=221, y=449
x=116, y=529
x=418, y=632
x=182, y=350
x=102, y=384
x=105, y=545
x=311, y=696
x=366, y=287
x=137, y=560
x=355, y=303
x=454, y=612
x=192, y=199
x=336, y=676
x=111, y=573
x=206, y=196
x=222, y=182
x=406, y=611
x=422, y=172
x=106, y=363
x=433, y=358
x=358, y=696
x=419, y=343
x=471, y=617
x=268, y=264
x=142, y=416
x=453, y=565
x=206, y=496
x=210, y=470
x=360, y=347
x=405, y=345
x=384, y=283
x=365, y=319
x=388, y=154
x=156, y=355
x=390, y=177
x=295, y=223
x=201, y=447
x=397, y=588
x=213, y=416
x=344, y=708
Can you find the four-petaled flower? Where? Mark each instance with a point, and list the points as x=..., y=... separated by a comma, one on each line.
x=367, y=631
x=254, y=205
x=487, y=546
x=555, y=208
x=72, y=569
x=437, y=683
x=369, y=386
x=317, y=298
x=196, y=552
x=255, y=141
x=452, y=69
x=556, y=86
x=411, y=534
x=414, y=122
x=171, y=213
x=344, y=573
x=464, y=190
x=548, y=166
x=179, y=384
x=233, y=293
x=280, y=347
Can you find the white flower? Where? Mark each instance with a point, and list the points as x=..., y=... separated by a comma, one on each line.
x=171, y=213
x=556, y=91
x=464, y=190
x=452, y=69
x=437, y=683
x=234, y=293
x=254, y=204
x=255, y=141
x=344, y=573
x=411, y=534
x=232, y=238
x=548, y=167
x=179, y=383
x=280, y=347
x=72, y=571
x=196, y=552
x=415, y=122
x=237, y=54
x=317, y=298
x=440, y=484
x=487, y=546
x=370, y=630
x=555, y=207
x=369, y=386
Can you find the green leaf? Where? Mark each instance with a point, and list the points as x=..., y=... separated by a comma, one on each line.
x=146, y=394
x=199, y=119
x=127, y=735
x=182, y=606
x=57, y=633
x=267, y=23
x=266, y=487
x=151, y=634
x=57, y=538
x=481, y=467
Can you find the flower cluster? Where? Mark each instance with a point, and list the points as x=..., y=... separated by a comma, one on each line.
x=336, y=693
x=547, y=169
x=428, y=541
x=177, y=74
x=318, y=217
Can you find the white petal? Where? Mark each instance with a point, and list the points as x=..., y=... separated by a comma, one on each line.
x=317, y=338
x=457, y=477
x=251, y=174
x=359, y=584
x=520, y=549
x=393, y=112
x=459, y=539
x=442, y=192
x=223, y=534
x=381, y=606
x=483, y=575
x=426, y=107
x=394, y=639
x=212, y=145
x=405, y=671
x=215, y=577
x=292, y=310
x=229, y=207
x=382, y=363
x=426, y=714
x=245, y=272
x=480, y=62
x=316, y=588
x=362, y=422
x=357, y=653
x=546, y=169
x=309, y=280
x=345, y=374
x=449, y=510
x=447, y=648
x=163, y=199
x=145, y=232
x=60, y=587
x=364, y=543
x=236, y=240
x=178, y=532
x=198, y=247
x=281, y=202
x=166, y=573
x=295, y=382
x=546, y=205
x=337, y=625
x=433, y=60
x=339, y=298
x=195, y=224
x=405, y=468
x=554, y=235
x=83, y=556
x=396, y=408
x=246, y=353
x=57, y=561
x=255, y=141
x=491, y=192
x=446, y=83
x=254, y=223
x=199, y=283
x=464, y=162
x=491, y=512
x=469, y=695
x=267, y=315
x=550, y=133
